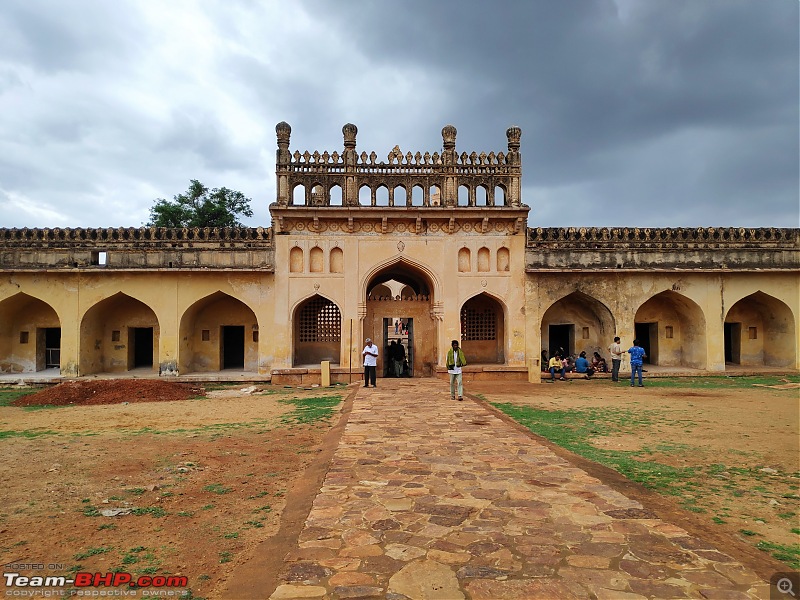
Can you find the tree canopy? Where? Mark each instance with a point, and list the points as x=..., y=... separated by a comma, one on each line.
x=201, y=207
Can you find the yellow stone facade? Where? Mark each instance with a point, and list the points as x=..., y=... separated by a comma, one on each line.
x=437, y=242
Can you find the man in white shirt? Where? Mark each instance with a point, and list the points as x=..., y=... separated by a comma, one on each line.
x=616, y=358
x=370, y=355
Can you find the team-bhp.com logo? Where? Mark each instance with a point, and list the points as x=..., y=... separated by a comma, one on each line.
x=93, y=580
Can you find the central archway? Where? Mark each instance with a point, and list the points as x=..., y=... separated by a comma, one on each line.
x=399, y=301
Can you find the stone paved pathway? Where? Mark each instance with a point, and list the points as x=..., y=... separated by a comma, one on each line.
x=432, y=498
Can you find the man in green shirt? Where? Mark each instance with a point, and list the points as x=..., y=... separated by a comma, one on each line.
x=455, y=360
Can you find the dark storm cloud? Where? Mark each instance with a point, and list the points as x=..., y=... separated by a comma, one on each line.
x=633, y=112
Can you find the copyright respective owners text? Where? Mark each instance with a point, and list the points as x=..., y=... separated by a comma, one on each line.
x=785, y=585
x=49, y=580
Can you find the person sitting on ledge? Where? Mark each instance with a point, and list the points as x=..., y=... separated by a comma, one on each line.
x=556, y=365
x=582, y=366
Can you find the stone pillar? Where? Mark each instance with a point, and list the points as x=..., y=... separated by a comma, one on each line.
x=515, y=161
x=449, y=159
x=350, y=187
x=282, y=162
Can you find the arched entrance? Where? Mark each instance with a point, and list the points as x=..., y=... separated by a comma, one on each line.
x=218, y=332
x=30, y=335
x=672, y=330
x=317, y=332
x=119, y=334
x=759, y=331
x=483, y=330
x=404, y=317
x=576, y=323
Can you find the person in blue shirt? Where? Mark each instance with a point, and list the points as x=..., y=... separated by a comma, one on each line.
x=582, y=366
x=637, y=354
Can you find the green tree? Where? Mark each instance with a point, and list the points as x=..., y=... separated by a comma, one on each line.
x=201, y=207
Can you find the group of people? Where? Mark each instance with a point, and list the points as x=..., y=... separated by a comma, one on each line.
x=562, y=364
x=396, y=353
x=398, y=367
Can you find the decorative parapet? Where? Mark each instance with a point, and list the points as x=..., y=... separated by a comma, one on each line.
x=28, y=236
x=634, y=248
x=614, y=236
x=445, y=173
x=143, y=248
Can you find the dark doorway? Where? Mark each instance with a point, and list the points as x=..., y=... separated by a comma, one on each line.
x=399, y=330
x=647, y=334
x=142, y=343
x=52, y=347
x=562, y=339
x=733, y=343
x=232, y=346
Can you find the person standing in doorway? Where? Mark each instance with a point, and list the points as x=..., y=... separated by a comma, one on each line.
x=456, y=360
x=396, y=326
x=370, y=355
x=616, y=358
x=637, y=354
x=399, y=358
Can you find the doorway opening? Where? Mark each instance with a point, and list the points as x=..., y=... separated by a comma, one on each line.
x=52, y=347
x=562, y=339
x=232, y=346
x=647, y=334
x=141, y=345
x=733, y=343
x=398, y=347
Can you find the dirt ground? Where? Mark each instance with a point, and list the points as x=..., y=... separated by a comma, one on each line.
x=193, y=486
x=197, y=485
x=743, y=442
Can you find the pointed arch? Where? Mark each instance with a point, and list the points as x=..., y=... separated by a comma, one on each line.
x=401, y=269
x=337, y=260
x=30, y=334
x=381, y=196
x=317, y=331
x=335, y=195
x=576, y=322
x=464, y=260
x=296, y=260
x=672, y=329
x=482, y=319
x=417, y=195
x=118, y=334
x=316, y=260
x=759, y=330
x=365, y=196
x=503, y=259
x=299, y=195
x=218, y=332
x=484, y=262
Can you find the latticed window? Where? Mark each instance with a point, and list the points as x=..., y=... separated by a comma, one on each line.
x=480, y=324
x=320, y=321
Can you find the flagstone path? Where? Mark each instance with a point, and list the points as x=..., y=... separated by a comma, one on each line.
x=429, y=498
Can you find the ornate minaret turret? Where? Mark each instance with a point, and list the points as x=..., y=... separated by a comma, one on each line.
x=350, y=188
x=449, y=158
x=513, y=134
x=282, y=166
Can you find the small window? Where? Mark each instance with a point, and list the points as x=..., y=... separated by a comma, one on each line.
x=255, y=336
x=115, y=336
x=23, y=337
x=586, y=333
x=102, y=258
x=206, y=335
x=668, y=332
x=752, y=333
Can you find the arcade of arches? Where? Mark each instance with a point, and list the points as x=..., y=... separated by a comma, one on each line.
x=417, y=249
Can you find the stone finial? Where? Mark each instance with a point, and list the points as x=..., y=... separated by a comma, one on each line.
x=449, y=137
x=284, y=131
x=349, y=131
x=513, y=134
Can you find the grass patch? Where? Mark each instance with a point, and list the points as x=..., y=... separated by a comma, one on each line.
x=155, y=511
x=9, y=394
x=217, y=488
x=309, y=410
x=26, y=433
x=93, y=552
x=789, y=553
x=708, y=383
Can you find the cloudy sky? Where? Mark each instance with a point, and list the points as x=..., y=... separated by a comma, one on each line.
x=633, y=112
